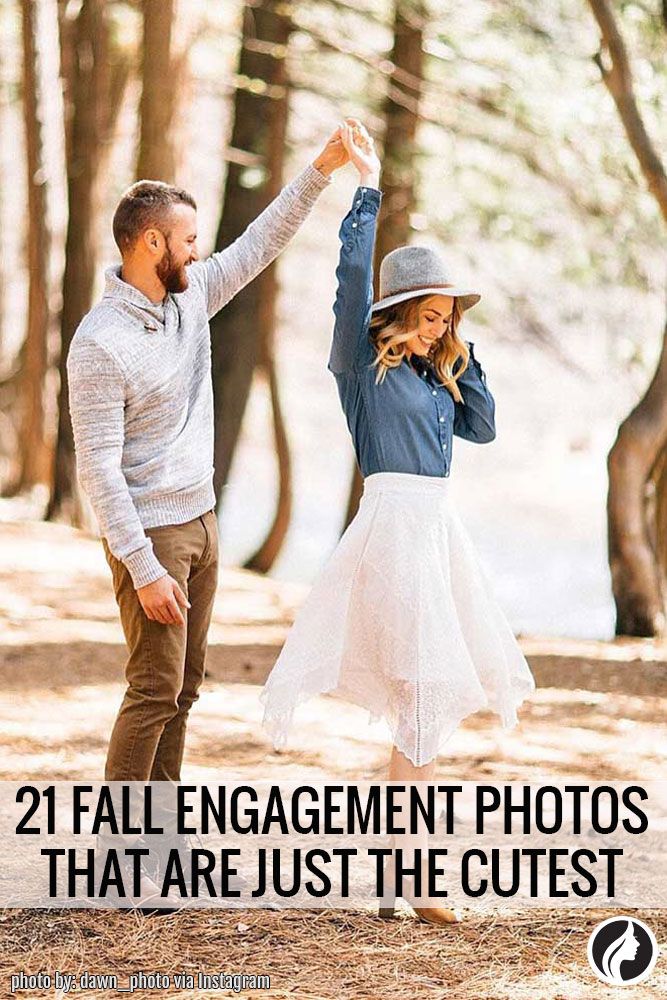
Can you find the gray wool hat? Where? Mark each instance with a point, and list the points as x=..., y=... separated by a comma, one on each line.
x=408, y=272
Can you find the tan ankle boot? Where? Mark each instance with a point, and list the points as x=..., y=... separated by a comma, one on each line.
x=430, y=914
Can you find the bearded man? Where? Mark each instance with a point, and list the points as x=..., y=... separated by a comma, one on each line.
x=141, y=402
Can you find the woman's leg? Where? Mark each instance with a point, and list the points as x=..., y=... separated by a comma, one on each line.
x=403, y=771
x=401, y=768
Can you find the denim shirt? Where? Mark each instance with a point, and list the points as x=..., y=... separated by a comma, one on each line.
x=407, y=422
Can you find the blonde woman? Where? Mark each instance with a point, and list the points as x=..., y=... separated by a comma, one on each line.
x=402, y=619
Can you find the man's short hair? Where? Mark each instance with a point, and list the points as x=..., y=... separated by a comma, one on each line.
x=145, y=204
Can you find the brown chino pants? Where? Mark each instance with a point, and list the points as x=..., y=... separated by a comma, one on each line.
x=165, y=667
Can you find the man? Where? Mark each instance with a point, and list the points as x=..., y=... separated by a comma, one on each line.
x=141, y=402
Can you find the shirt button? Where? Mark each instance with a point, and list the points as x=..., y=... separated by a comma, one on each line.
x=354, y=225
x=434, y=392
x=442, y=420
x=444, y=447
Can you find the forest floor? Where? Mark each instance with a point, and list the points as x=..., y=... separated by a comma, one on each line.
x=598, y=715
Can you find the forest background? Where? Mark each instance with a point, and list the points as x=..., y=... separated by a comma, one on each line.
x=525, y=140
x=515, y=138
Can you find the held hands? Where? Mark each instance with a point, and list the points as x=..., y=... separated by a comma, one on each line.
x=350, y=142
x=333, y=156
x=161, y=599
x=361, y=151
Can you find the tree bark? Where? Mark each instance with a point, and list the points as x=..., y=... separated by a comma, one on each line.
x=263, y=559
x=265, y=556
x=33, y=452
x=86, y=115
x=635, y=574
x=637, y=544
x=3, y=254
x=156, y=156
x=401, y=114
x=260, y=123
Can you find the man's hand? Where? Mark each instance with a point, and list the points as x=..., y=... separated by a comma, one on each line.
x=333, y=156
x=161, y=599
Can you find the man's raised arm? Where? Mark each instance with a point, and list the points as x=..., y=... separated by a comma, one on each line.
x=227, y=271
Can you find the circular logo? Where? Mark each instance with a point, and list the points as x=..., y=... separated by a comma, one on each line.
x=622, y=951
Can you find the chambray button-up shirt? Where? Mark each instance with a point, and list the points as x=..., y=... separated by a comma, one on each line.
x=407, y=422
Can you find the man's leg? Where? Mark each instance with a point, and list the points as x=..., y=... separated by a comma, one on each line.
x=156, y=662
x=201, y=590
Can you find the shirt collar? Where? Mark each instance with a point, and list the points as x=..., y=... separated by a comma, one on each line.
x=420, y=363
x=116, y=288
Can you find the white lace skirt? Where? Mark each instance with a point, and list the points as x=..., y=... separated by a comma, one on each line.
x=403, y=621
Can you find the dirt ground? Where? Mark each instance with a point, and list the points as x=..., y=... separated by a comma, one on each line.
x=598, y=715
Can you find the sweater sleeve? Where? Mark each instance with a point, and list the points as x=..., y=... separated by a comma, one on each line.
x=474, y=419
x=97, y=404
x=227, y=271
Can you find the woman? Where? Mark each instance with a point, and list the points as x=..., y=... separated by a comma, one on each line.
x=402, y=619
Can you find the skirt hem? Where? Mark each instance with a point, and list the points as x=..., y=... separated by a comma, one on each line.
x=278, y=723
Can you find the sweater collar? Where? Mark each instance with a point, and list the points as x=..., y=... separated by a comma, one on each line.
x=116, y=288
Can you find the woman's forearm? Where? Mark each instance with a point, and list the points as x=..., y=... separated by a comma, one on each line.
x=474, y=420
x=371, y=180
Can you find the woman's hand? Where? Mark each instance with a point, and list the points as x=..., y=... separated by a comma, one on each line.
x=361, y=151
x=333, y=156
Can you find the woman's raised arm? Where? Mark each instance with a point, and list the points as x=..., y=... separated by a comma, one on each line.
x=354, y=294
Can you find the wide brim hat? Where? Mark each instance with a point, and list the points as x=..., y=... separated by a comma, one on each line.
x=409, y=272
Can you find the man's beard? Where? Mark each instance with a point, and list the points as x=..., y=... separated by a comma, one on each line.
x=171, y=274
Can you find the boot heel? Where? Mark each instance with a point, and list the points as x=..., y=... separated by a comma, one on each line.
x=387, y=907
x=387, y=903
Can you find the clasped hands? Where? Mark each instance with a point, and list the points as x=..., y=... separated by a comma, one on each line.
x=350, y=143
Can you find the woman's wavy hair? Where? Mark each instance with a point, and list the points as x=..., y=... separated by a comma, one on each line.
x=390, y=328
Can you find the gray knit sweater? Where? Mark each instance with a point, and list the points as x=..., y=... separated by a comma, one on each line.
x=140, y=390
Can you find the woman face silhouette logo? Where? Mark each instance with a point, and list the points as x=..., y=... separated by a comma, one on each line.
x=622, y=951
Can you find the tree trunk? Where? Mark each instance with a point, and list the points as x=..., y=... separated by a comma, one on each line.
x=156, y=157
x=87, y=93
x=263, y=559
x=618, y=80
x=634, y=558
x=4, y=159
x=260, y=123
x=33, y=453
x=398, y=162
x=265, y=556
x=634, y=572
